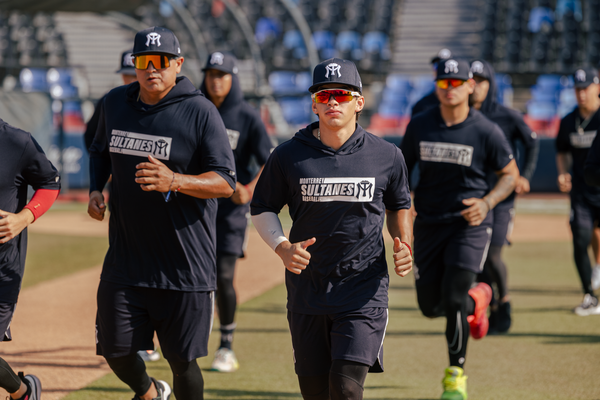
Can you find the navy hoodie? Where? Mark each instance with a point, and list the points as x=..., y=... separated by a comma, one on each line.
x=340, y=198
x=249, y=142
x=154, y=243
x=23, y=164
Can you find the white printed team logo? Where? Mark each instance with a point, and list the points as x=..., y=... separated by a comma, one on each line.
x=447, y=153
x=451, y=66
x=217, y=58
x=128, y=60
x=582, y=140
x=139, y=144
x=153, y=38
x=233, y=136
x=350, y=190
x=444, y=53
x=477, y=67
x=333, y=68
x=580, y=75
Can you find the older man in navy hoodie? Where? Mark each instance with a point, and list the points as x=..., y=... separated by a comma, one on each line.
x=167, y=149
x=251, y=146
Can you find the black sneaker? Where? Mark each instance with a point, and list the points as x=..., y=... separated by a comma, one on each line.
x=504, y=320
x=493, y=318
x=34, y=387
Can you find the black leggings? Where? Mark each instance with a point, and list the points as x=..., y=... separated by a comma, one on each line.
x=345, y=381
x=450, y=297
x=9, y=381
x=188, y=382
x=581, y=241
x=494, y=271
x=226, y=297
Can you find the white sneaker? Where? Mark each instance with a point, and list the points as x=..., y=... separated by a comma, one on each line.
x=153, y=356
x=589, y=306
x=34, y=384
x=163, y=389
x=596, y=277
x=225, y=361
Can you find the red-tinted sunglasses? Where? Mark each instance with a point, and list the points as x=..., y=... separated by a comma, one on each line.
x=340, y=95
x=159, y=61
x=445, y=83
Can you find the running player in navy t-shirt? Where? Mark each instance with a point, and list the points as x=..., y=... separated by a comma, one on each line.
x=456, y=147
x=516, y=130
x=339, y=183
x=251, y=146
x=23, y=164
x=167, y=149
x=575, y=136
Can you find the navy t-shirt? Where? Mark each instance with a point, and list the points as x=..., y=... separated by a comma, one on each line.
x=516, y=130
x=453, y=161
x=575, y=137
x=340, y=198
x=23, y=164
x=154, y=243
x=250, y=144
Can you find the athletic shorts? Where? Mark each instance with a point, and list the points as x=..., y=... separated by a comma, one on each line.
x=583, y=213
x=7, y=311
x=504, y=214
x=353, y=336
x=449, y=245
x=128, y=316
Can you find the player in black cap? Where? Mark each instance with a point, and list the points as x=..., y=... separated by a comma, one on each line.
x=167, y=149
x=23, y=164
x=250, y=144
x=515, y=129
x=337, y=277
x=431, y=99
x=575, y=136
x=456, y=147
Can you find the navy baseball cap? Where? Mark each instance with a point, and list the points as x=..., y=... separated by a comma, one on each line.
x=156, y=40
x=127, y=66
x=453, y=69
x=443, y=54
x=225, y=62
x=336, y=70
x=584, y=77
x=481, y=69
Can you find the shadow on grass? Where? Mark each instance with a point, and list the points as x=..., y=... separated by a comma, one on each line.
x=97, y=389
x=268, y=309
x=413, y=333
x=233, y=394
x=550, y=291
x=560, y=310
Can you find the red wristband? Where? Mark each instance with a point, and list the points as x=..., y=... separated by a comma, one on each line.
x=41, y=202
x=409, y=249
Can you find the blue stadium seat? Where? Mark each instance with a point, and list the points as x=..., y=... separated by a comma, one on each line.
x=376, y=42
x=284, y=82
x=296, y=110
x=325, y=43
x=348, y=45
x=265, y=29
x=293, y=41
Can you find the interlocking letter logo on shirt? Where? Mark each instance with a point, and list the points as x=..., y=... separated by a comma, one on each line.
x=351, y=190
x=139, y=144
x=446, y=152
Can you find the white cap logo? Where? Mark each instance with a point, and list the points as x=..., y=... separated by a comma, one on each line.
x=444, y=53
x=333, y=68
x=153, y=38
x=451, y=66
x=128, y=60
x=580, y=75
x=217, y=58
x=477, y=67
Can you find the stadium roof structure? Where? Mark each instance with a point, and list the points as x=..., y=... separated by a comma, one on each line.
x=32, y=6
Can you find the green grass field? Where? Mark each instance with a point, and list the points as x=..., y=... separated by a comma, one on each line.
x=549, y=354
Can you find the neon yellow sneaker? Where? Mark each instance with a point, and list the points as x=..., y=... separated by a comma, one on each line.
x=455, y=384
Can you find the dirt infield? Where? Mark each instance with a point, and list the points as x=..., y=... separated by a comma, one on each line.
x=53, y=327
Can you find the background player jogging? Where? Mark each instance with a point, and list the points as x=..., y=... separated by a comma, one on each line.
x=516, y=130
x=575, y=136
x=456, y=147
x=250, y=144
x=339, y=183
x=23, y=164
x=168, y=152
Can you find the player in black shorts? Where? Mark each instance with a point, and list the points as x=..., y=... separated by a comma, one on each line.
x=167, y=149
x=516, y=130
x=575, y=135
x=431, y=99
x=456, y=147
x=339, y=183
x=23, y=164
x=251, y=146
